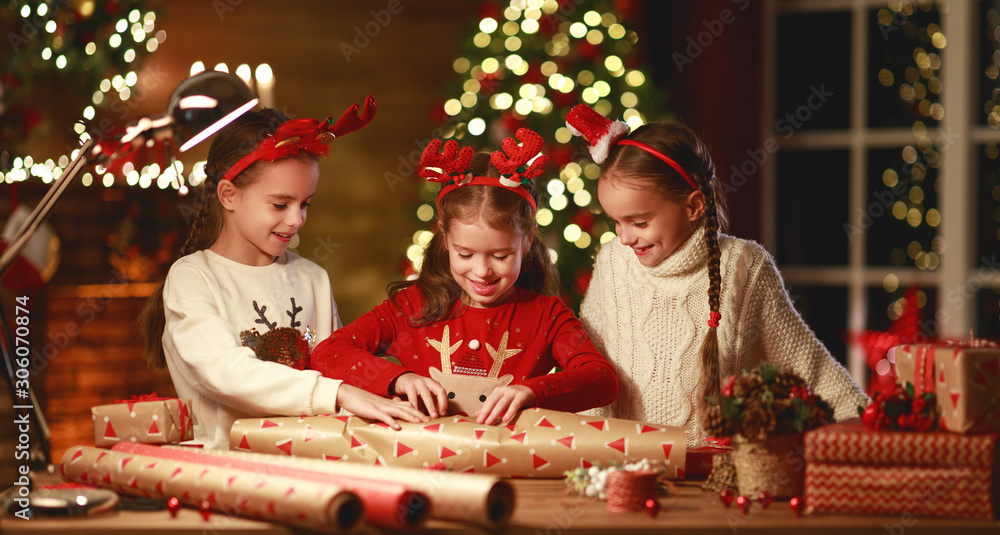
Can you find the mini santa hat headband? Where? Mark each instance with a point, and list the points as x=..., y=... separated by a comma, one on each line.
x=603, y=134
x=304, y=135
x=517, y=165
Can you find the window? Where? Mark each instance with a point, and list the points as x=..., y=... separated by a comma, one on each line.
x=887, y=168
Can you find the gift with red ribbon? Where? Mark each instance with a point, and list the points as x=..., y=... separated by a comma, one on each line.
x=965, y=376
x=145, y=418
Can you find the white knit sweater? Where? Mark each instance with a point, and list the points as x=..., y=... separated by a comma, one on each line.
x=650, y=322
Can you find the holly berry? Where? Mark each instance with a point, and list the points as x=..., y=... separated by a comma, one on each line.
x=726, y=497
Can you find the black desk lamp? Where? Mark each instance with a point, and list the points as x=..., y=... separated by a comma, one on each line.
x=199, y=107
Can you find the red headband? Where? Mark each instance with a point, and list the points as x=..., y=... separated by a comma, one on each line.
x=451, y=165
x=603, y=133
x=304, y=135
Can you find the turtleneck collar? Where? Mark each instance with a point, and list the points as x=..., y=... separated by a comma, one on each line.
x=689, y=257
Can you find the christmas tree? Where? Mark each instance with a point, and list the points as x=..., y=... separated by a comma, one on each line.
x=526, y=64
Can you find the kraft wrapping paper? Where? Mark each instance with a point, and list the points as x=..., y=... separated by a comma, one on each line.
x=163, y=421
x=387, y=504
x=301, y=503
x=538, y=443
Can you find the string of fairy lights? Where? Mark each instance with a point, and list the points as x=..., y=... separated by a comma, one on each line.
x=515, y=69
x=919, y=85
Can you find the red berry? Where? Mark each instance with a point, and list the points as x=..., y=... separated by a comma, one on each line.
x=796, y=504
x=765, y=499
x=744, y=504
x=174, y=506
x=726, y=497
x=870, y=415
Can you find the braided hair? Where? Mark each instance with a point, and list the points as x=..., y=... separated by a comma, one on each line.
x=232, y=143
x=682, y=145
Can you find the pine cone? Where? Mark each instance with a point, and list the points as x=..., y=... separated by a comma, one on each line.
x=746, y=384
x=784, y=381
x=757, y=423
x=715, y=423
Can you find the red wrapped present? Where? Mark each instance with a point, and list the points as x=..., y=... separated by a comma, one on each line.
x=853, y=469
x=147, y=419
x=538, y=443
x=965, y=377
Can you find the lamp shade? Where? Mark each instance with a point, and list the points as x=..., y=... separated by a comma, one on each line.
x=206, y=102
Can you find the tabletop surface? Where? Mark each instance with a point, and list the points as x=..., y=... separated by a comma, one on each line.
x=542, y=507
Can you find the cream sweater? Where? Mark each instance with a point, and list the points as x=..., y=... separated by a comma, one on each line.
x=209, y=300
x=650, y=322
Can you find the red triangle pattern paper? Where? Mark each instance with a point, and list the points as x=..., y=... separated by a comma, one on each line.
x=203, y=473
x=332, y=457
x=941, y=377
x=621, y=445
x=402, y=449
x=510, y=427
x=134, y=483
x=76, y=456
x=102, y=455
x=479, y=434
x=264, y=424
x=544, y=422
x=176, y=474
x=433, y=428
x=309, y=434
x=379, y=461
x=106, y=479
x=355, y=442
x=645, y=429
x=601, y=425
x=186, y=496
x=229, y=481
x=121, y=465
x=444, y=453
x=520, y=437
x=584, y=463
x=538, y=462
x=489, y=459
x=151, y=466
x=109, y=433
x=566, y=441
x=159, y=487
x=343, y=418
x=285, y=446
x=154, y=430
x=992, y=367
x=288, y=493
x=667, y=446
x=244, y=443
x=680, y=473
x=955, y=396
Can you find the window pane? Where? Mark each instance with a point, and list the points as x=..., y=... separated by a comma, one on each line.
x=901, y=209
x=824, y=309
x=988, y=195
x=903, y=51
x=812, y=205
x=988, y=40
x=988, y=314
x=814, y=78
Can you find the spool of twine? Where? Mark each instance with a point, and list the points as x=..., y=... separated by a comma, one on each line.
x=627, y=492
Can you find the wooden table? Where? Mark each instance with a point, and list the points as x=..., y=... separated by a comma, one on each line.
x=541, y=509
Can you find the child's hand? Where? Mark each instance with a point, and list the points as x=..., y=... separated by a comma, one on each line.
x=418, y=388
x=505, y=400
x=368, y=405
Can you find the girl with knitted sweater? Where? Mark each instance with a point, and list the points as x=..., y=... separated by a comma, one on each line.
x=237, y=276
x=675, y=304
x=475, y=314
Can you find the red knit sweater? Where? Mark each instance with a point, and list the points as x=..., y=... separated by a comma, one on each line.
x=531, y=332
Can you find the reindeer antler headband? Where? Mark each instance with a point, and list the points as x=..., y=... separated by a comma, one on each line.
x=517, y=165
x=305, y=135
x=603, y=133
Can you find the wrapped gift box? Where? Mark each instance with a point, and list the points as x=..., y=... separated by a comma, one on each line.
x=537, y=443
x=145, y=419
x=853, y=469
x=965, y=377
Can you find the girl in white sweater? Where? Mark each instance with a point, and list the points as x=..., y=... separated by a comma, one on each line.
x=675, y=304
x=237, y=277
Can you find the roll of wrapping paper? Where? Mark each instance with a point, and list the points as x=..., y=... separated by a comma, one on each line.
x=473, y=498
x=387, y=504
x=301, y=503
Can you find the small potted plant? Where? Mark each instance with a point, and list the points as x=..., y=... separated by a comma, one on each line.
x=765, y=413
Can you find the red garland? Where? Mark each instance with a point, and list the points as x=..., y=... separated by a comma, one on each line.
x=898, y=409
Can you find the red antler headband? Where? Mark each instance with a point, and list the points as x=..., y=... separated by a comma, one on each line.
x=603, y=133
x=305, y=135
x=516, y=163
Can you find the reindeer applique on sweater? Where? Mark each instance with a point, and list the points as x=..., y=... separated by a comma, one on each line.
x=285, y=345
x=467, y=380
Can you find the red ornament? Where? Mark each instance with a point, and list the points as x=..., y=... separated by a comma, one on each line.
x=726, y=497
x=728, y=389
x=870, y=416
x=174, y=506
x=744, y=504
x=205, y=508
x=765, y=499
x=796, y=504
x=652, y=507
